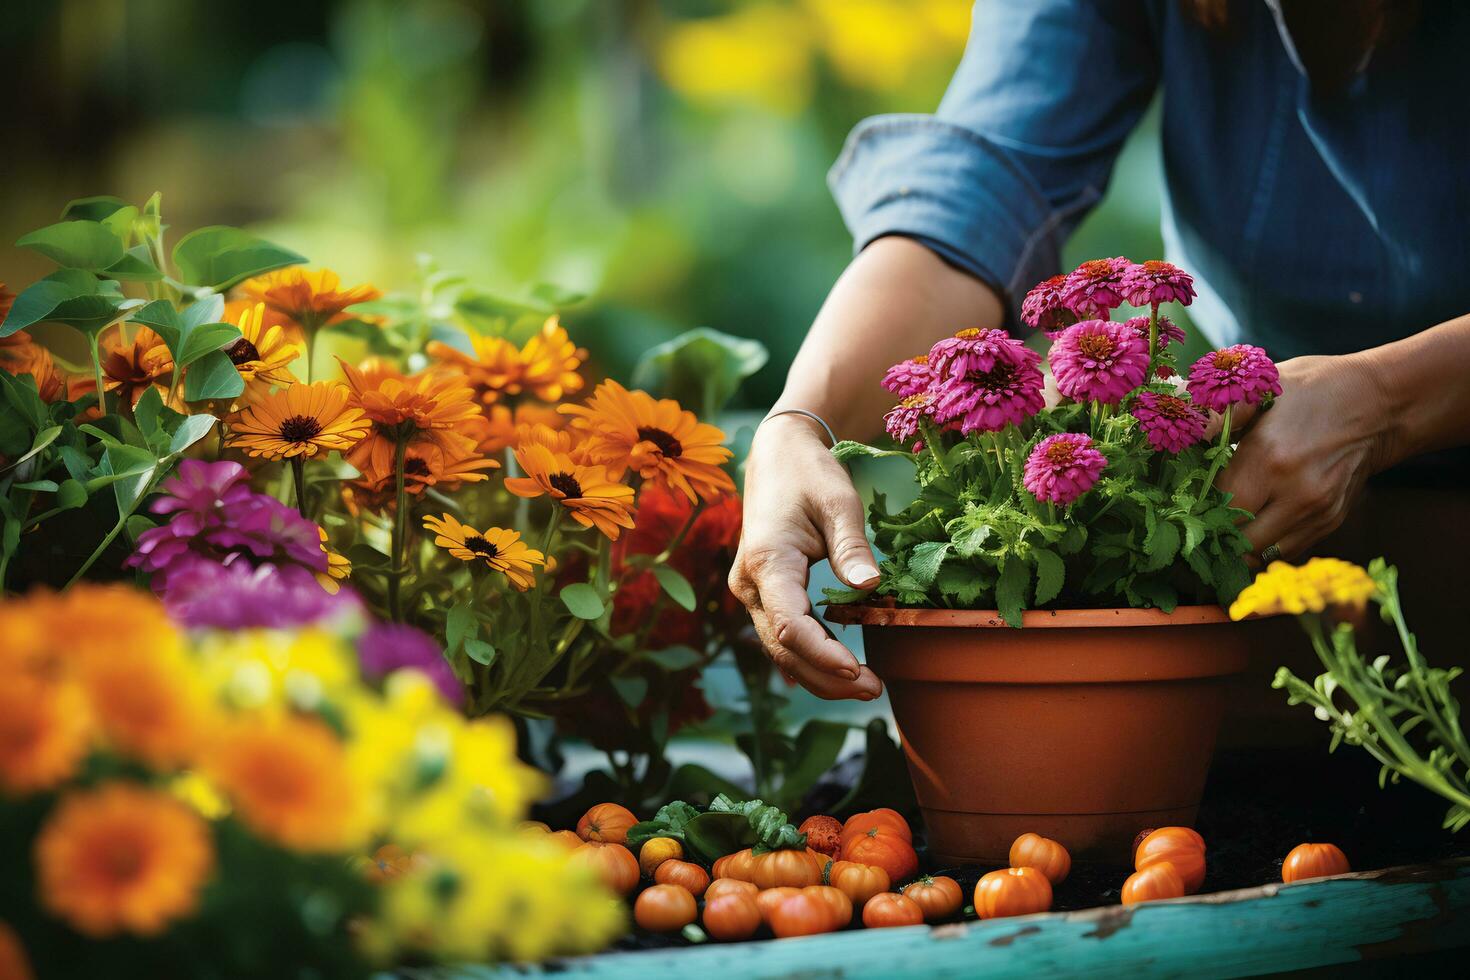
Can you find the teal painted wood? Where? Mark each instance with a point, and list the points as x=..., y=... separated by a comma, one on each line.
x=1228, y=934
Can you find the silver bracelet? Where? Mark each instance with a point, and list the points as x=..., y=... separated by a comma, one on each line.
x=803, y=412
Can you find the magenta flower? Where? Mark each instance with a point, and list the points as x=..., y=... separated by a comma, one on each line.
x=985, y=380
x=232, y=595
x=977, y=351
x=1241, y=373
x=199, y=490
x=1043, y=308
x=1095, y=287
x=1170, y=423
x=909, y=377
x=1099, y=360
x=389, y=647
x=1063, y=467
x=1153, y=282
x=903, y=419
x=1169, y=332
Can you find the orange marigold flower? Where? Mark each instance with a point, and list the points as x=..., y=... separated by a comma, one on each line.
x=14, y=964
x=500, y=549
x=147, y=703
x=657, y=439
x=585, y=491
x=113, y=620
x=122, y=858
x=301, y=420
x=263, y=353
x=500, y=427
x=131, y=369
x=310, y=297
x=550, y=363
x=19, y=354
x=45, y=732
x=289, y=781
x=494, y=369
x=424, y=465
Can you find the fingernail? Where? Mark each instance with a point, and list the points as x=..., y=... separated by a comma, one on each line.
x=860, y=575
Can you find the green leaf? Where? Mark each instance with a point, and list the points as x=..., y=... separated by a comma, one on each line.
x=190, y=431
x=76, y=244
x=847, y=450
x=971, y=533
x=132, y=471
x=93, y=208
x=71, y=494
x=459, y=625
x=1010, y=590
x=220, y=257
x=1161, y=546
x=556, y=296
x=675, y=658
x=582, y=601
x=43, y=439
x=631, y=688
x=925, y=561
x=205, y=339
x=212, y=376
x=701, y=368
x=136, y=265
x=147, y=411
x=479, y=651
x=44, y=486
x=71, y=296
x=1051, y=574
x=676, y=585
x=817, y=746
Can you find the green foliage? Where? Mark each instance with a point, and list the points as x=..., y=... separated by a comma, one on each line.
x=219, y=257
x=700, y=369
x=726, y=827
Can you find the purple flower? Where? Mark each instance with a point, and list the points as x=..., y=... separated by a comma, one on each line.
x=1153, y=282
x=1063, y=467
x=1169, y=332
x=1095, y=287
x=1099, y=360
x=986, y=381
x=902, y=421
x=205, y=594
x=387, y=647
x=1170, y=423
x=909, y=377
x=1242, y=373
x=976, y=351
x=199, y=489
x=1043, y=308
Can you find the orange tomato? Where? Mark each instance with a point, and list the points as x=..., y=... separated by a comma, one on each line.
x=614, y=864
x=664, y=908
x=823, y=833
x=768, y=898
x=861, y=823
x=800, y=915
x=731, y=915
x=891, y=909
x=1314, y=861
x=1188, y=832
x=1012, y=891
x=657, y=850
x=684, y=873
x=1181, y=847
x=822, y=861
x=567, y=838
x=730, y=886
x=1043, y=854
x=606, y=822
x=1159, y=880
x=838, y=903
x=858, y=882
x=939, y=896
x=793, y=868
x=737, y=865
x=884, y=847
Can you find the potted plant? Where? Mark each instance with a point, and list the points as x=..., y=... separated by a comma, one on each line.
x=1048, y=619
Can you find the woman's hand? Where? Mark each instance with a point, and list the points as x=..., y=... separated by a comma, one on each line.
x=1301, y=464
x=800, y=507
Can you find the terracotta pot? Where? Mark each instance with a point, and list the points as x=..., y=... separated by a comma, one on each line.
x=1085, y=725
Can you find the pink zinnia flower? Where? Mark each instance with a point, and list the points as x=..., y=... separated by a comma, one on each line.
x=1169, y=332
x=1153, y=282
x=1063, y=467
x=975, y=350
x=985, y=381
x=909, y=377
x=902, y=421
x=1099, y=360
x=1095, y=286
x=1043, y=307
x=1170, y=423
x=1241, y=373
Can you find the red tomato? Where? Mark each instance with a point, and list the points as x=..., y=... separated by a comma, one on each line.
x=664, y=908
x=1012, y=891
x=1314, y=861
x=731, y=915
x=940, y=897
x=891, y=909
x=1179, y=846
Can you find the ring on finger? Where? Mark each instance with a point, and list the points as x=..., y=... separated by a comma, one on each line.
x=1272, y=552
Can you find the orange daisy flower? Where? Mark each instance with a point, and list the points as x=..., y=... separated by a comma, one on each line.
x=122, y=858
x=500, y=549
x=311, y=298
x=550, y=362
x=147, y=704
x=289, y=782
x=585, y=491
x=45, y=732
x=500, y=427
x=131, y=369
x=339, y=567
x=424, y=465
x=19, y=354
x=433, y=408
x=263, y=353
x=493, y=370
x=657, y=439
x=301, y=420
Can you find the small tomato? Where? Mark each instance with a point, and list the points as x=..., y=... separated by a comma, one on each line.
x=613, y=864
x=1043, y=854
x=891, y=909
x=1012, y=891
x=684, y=873
x=730, y=886
x=939, y=896
x=731, y=915
x=861, y=823
x=883, y=847
x=791, y=867
x=800, y=915
x=838, y=903
x=823, y=833
x=858, y=882
x=1314, y=861
x=664, y=908
x=606, y=822
x=768, y=898
x=657, y=850
x=1159, y=880
x=567, y=838
x=1181, y=847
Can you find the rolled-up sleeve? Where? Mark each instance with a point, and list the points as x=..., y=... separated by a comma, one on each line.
x=1021, y=147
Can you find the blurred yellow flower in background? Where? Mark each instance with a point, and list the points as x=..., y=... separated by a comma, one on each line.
x=1311, y=588
x=550, y=363
x=759, y=53
x=121, y=858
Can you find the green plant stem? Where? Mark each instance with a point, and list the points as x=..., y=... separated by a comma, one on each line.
x=932, y=445
x=97, y=553
x=298, y=476
x=1450, y=735
x=1217, y=462
x=400, y=531
x=678, y=539
x=1153, y=337
x=94, y=342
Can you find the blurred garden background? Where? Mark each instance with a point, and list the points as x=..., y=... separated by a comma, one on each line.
x=665, y=157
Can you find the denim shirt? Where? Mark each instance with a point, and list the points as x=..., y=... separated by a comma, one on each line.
x=1313, y=222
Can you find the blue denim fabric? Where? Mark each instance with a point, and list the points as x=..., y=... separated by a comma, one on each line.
x=1314, y=222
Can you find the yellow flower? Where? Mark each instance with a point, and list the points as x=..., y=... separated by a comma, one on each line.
x=311, y=298
x=550, y=362
x=201, y=796
x=303, y=420
x=585, y=491
x=288, y=780
x=338, y=566
x=493, y=370
x=498, y=548
x=759, y=53
x=1311, y=588
x=263, y=353
x=270, y=669
x=657, y=439
x=121, y=858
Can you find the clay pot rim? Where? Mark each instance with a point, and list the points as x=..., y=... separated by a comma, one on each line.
x=868, y=615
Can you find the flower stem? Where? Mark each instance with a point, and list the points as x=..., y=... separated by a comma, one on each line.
x=933, y=445
x=1218, y=461
x=400, y=530
x=298, y=476
x=1153, y=336
x=94, y=341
